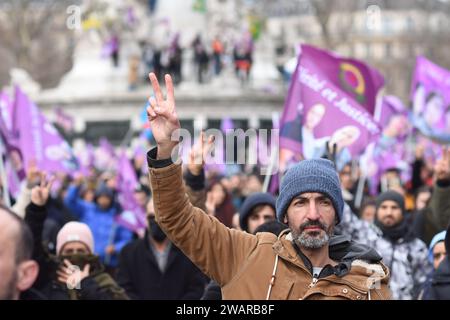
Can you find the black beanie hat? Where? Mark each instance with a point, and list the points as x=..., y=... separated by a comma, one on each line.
x=392, y=196
x=252, y=201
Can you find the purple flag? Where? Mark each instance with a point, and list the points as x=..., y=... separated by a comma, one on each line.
x=38, y=138
x=90, y=155
x=13, y=179
x=112, y=45
x=376, y=160
x=391, y=149
x=360, y=81
x=9, y=154
x=86, y=159
x=105, y=158
x=133, y=217
x=4, y=132
x=107, y=146
x=6, y=125
x=394, y=120
x=65, y=121
x=430, y=96
x=15, y=172
x=322, y=108
x=391, y=106
x=140, y=156
x=6, y=109
x=432, y=150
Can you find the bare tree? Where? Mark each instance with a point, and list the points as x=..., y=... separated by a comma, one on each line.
x=34, y=37
x=323, y=10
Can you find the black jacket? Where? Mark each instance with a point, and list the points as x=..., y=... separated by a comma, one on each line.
x=440, y=284
x=212, y=291
x=98, y=286
x=141, y=277
x=435, y=217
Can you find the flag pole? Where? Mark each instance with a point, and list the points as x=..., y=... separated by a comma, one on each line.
x=273, y=155
x=269, y=174
x=364, y=175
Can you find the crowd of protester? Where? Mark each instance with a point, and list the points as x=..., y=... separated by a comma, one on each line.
x=66, y=243
x=206, y=58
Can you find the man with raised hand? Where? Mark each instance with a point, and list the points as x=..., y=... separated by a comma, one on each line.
x=305, y=262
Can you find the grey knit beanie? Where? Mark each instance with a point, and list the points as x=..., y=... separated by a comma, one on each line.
x=313, y=175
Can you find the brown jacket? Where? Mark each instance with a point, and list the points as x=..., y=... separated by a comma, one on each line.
x=251, y=266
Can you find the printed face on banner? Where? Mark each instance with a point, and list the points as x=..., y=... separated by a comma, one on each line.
x=331, y=101
x=393, y=118
x=419, y=99
x=332, y=122
x=434, y=108
x=327, y=123
x=397, y=126
x=314, y=116
x=431, y=100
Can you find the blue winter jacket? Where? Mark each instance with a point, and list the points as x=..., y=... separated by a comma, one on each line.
x=102, y=223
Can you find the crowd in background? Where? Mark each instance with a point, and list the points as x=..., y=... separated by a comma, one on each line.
x=73, y=224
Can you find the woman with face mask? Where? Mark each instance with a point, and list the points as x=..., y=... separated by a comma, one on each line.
x=75, y=273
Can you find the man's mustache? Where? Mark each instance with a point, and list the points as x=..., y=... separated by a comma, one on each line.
x=313, y=224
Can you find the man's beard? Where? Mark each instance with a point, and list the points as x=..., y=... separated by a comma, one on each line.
x=9, y=294
x=312, y=239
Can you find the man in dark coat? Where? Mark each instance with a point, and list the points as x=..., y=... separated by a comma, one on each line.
x=152, y=268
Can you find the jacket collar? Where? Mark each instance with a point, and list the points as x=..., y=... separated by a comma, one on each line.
x=284, y=248
x=359, y=269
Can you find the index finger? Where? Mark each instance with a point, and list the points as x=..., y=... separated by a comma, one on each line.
x=156, y=88
x=211, y=139
x=209, y=145
x=67, y=263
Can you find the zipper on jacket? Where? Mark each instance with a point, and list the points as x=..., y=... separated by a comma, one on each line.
x=313, y=282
